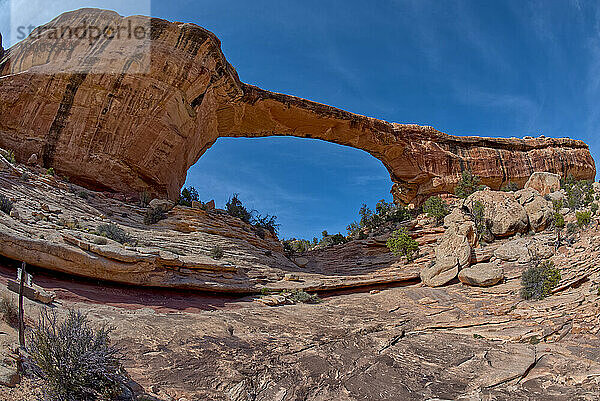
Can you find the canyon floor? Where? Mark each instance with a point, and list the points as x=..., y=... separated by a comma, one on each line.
x=390, y=343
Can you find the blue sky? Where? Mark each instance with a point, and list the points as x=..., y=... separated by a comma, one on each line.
x=490, y=68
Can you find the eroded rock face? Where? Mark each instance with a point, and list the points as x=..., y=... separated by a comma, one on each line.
x=544, y=183
x=131, y=132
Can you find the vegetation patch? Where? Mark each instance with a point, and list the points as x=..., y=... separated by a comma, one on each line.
x=188, y=195
x=75, y=361
x=580, y=194
x=510, y=187
x=217, y=252
x=6, y=204
x=50, y=171
x=385, y=212
x=114, y=232
x=583, y=218
x=402, y=244
x=9, y=312
x=435, y=207
x=154, y=215
x=538, y=281
x=304, y=297
x=481, y=226
x=9, y=155
x=468, y=185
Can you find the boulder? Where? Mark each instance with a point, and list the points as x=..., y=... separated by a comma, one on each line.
x=210, y=205
x=481, y=275
x=441, y=272
x=161, y=204
x=457, y=216
x=9, y=376
x=556, y=196
x=544, y=183
x=455, y=242
x=539, y=210
x=502, y=213
x=33, y=160
x=516, y=250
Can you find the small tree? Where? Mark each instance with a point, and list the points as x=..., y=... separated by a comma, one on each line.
x=435, y=207
x=583, y=219
x=538, y=281
x=402, y=244
x=6, y=204
x=235, y=208
x=188, y=195
x=75, y=361
x=478, y=215
x=469, y=184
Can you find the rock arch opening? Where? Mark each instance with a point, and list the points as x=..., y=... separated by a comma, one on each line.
x=310, y=185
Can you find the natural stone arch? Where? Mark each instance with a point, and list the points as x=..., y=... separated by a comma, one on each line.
x=142, y=132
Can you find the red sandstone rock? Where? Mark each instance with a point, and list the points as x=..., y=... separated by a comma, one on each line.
x=141, y=132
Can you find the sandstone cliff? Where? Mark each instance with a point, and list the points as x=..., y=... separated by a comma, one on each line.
x=107, y=125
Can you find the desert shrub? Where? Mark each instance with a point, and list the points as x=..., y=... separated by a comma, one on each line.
x=468, y=184
x=9, y=155
x=558, y=221
x=217, y=252
x=144, y=199
x=50, y=171
x=402, y=244
x=331, y=240
x=6, y=204
x=114, y=232
x=557, y=205
x=384, y=212
x=75, y=361
x=478, y=215
x=82, y=194
x=266, y=222
x=293, y=245
x=235, y=208
x=538, y=281
x=510, y=187
x=579, y=193
x=25, y=176
x=594, y=208
x=583, y=219
x=304, y=297
x=435, y=207
x=188, y=195
x=572, y=228
x=154, y=215
x=9, y=312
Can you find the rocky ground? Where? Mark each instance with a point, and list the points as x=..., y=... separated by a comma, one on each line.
x=391, y=343
x=378, y=334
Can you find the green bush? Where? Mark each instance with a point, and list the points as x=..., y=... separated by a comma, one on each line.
x=266, y=222
x=594, y=208
x=583, y=219
x=144, y=199
x=82, y=194
x=384, y=212
x=9, y=312
x=188, y=195
x=300, y=296
x=580, y=194
x=469, y=184
x=6, y=204
x=50, y=171
x=557, y=205
x=154, y=215
x=510, y=187
x=559, y=221
x=235, y=208
x=402, y=244
x=114, y=232
x=478, y=215
x=435, y=207
x=331, y=240
x=75, y=361
x=217, y=252
x=9, y=155
x=538, y=281
x=292, y=246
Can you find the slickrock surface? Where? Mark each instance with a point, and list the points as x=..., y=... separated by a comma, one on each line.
x=406, y=343
x=53, y=224
x=131, y=132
